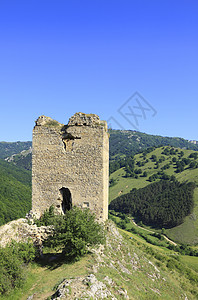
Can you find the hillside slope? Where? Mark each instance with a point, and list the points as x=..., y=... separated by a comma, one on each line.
x=15, y=192
x=160, y=163
x=7, y=149
x=126, y=268
x=22, y=159
x=121, y=142
x=129, y=142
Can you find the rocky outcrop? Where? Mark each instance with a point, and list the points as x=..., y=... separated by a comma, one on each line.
x=88, y=287
x=20, y=231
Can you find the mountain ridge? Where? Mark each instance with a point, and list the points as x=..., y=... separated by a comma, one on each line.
x=121, y=142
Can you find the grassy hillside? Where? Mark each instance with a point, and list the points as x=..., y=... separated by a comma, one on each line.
x=127, y=265
x=153, y=163
x=15, y=192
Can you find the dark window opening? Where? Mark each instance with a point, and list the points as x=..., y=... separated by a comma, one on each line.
x=67, y=199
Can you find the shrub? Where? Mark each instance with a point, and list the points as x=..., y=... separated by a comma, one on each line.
x=12, y=259
x=47, y=218
x=75, y=232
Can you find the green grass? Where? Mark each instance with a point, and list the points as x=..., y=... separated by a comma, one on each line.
x=184, y=233
x=141, y=240
x=190, y=261
x=42, y=279
x=124, y=185
x=171, y=283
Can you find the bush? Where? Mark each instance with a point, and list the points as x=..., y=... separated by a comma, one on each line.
x=75, y=232
x=12, y=259
x=24, y=251
x=47, y=218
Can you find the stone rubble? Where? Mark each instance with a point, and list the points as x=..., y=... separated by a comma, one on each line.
x=20, y=231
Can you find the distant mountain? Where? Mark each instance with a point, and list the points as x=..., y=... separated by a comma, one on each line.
x=8, y=149
x=129, y=142
x=22, y=159
x=122, y=142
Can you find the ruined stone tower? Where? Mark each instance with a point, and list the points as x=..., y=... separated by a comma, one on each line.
x=70, y=165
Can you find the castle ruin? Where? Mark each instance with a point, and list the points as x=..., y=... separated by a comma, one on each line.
x=70, y=165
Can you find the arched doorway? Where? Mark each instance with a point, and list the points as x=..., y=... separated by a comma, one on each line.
x=67, y=199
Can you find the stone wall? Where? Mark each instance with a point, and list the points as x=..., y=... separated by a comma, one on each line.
x=70, y=164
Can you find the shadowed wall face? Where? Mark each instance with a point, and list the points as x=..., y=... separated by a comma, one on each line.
x=70, y=165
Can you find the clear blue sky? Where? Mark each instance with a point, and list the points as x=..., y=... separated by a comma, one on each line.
x=58, y=57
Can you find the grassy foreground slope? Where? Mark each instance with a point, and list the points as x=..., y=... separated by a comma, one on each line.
x=154, y=162
x=126, y=266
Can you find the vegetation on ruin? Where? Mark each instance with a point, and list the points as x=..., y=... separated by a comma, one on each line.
x=53, y=123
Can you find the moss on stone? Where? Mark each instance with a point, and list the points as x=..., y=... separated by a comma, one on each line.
x=53, y=123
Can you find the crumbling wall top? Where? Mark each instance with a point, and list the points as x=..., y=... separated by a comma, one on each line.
x=46, y=121
x=80, y=119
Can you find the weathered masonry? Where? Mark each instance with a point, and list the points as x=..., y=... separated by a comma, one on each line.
x=70, y=165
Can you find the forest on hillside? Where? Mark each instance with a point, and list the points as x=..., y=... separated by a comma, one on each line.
x=7, y=149
x=15, y=192
x=161, y=204
x=133, y=168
